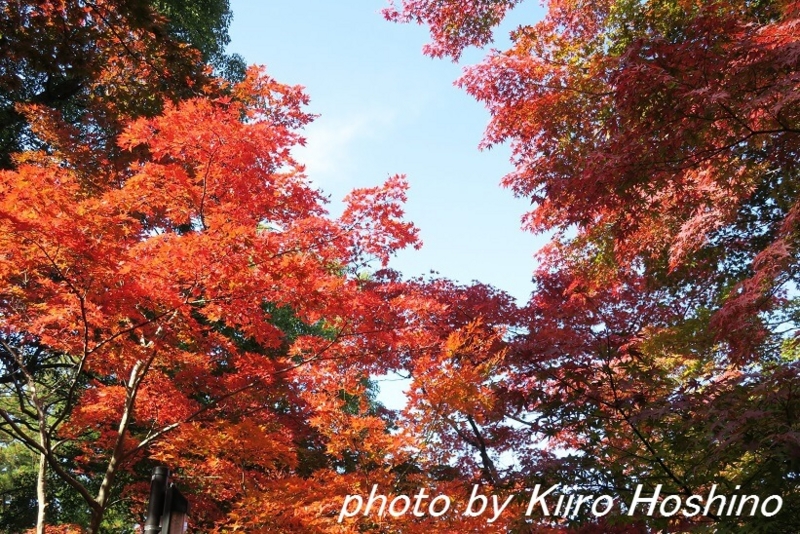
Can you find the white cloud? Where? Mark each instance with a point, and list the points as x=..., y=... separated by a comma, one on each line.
x=332, y=152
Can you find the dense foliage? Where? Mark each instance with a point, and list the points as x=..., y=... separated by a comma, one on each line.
x=97, y=64
x=173, y=291
x=659, y=140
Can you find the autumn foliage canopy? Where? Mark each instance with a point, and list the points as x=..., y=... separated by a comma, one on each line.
x=174, y=292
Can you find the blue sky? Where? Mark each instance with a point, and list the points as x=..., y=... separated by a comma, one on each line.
x=386, y=109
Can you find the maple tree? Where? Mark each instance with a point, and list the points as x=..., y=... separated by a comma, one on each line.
x=659, y=141
x=185, y=300
x=86, y=68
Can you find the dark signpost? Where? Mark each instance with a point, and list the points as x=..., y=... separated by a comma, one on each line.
x=167, y=508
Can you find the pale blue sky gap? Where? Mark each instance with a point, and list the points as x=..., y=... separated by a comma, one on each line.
x=385, y=109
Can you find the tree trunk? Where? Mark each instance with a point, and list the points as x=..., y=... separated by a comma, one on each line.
x=41, y=494
x=97, y=518
x=116, y=456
